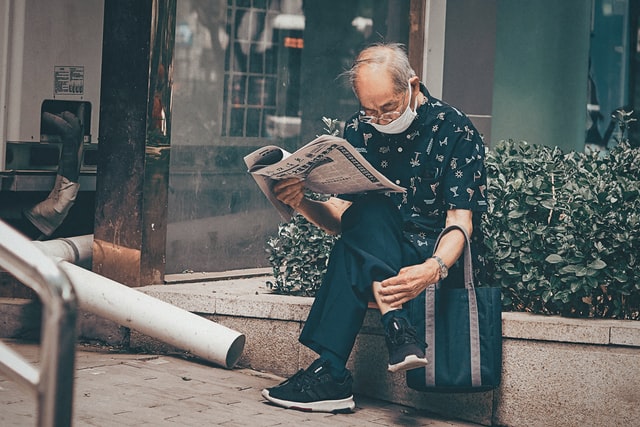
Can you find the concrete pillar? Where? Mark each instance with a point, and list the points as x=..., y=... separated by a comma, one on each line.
x=134, y=141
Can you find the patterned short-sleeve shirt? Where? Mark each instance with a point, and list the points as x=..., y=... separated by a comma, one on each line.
x=439, y=159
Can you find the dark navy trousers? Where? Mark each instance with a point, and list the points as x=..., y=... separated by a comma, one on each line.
x=372, y=248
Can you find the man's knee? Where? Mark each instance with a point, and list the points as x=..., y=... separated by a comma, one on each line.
x=371, y=210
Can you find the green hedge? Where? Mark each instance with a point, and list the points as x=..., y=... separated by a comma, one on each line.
x=563, y=230
x=562, y=233
x=298, y=255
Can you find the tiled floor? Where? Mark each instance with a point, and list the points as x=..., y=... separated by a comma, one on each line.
x=115, y=389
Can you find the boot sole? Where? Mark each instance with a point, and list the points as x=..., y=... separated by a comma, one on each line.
x=410, y=362
x=333, y=406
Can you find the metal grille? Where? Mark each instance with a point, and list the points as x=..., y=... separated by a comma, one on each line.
x=250, y=68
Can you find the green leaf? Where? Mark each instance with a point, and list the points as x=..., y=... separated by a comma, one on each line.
x=515, y=214
x=621, y=277
x=554, y=259
x=582, y=272
x=548, y=203
x=597, y=264
x=503, y=253
x=575, y=286
x=569, y=269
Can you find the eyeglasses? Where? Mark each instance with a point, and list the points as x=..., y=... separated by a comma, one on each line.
x=382, y=119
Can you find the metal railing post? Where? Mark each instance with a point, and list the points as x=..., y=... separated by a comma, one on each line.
x=52, y=383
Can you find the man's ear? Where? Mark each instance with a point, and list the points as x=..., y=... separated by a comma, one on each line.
x=415, y=83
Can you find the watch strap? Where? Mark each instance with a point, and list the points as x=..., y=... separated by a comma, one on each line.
x=444, y=270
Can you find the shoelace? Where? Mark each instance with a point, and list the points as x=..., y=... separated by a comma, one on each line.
x=303, y=379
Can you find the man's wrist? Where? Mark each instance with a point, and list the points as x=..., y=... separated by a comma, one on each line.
x=304, y=204
x=443, y=270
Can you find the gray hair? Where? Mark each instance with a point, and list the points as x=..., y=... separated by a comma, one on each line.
x=391, y=57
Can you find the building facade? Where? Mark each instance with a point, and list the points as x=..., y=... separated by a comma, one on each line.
x=247, y=73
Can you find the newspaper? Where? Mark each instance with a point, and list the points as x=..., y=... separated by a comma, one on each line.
x=328, y=165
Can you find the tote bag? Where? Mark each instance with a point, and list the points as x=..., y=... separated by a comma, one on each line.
x=462, y=327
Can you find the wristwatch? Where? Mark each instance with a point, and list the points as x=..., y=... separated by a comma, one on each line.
x=444, y=270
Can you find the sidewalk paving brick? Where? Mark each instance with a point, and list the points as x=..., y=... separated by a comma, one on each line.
x=118, y=389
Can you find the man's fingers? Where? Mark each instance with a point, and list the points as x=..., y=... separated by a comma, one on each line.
x=288, y=184
x=289, y=192
x=396, y=299
x=391, y=281
x=286, y=191
x=288, y=187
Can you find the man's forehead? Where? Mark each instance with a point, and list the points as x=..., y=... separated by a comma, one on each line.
x=380, y=101
x=374, y=81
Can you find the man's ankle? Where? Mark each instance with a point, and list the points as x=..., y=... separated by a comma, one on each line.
x=397, y=313
x=337, y=366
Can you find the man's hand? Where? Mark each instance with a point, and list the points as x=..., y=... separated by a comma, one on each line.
x=409, y=282
x=324, y=214
x=413, y=279
x=290, y=191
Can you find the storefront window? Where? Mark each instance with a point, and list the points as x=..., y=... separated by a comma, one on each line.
x=250, y=73
x=610, y=56
x=540, y=76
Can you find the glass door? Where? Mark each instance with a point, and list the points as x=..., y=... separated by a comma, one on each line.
x=250, y=73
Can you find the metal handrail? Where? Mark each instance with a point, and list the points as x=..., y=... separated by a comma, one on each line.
x=52, y=383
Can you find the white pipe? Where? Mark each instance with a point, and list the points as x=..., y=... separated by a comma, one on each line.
x=76, y=250
x=155, y=318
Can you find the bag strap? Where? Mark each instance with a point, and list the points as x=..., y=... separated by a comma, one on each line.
x=474, y=326
x=467, y=263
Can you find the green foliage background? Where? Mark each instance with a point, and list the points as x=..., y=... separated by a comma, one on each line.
x=563, y=230
x=562, y=233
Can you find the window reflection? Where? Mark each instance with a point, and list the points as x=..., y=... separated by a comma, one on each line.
x=609, y=62
x=250, y=73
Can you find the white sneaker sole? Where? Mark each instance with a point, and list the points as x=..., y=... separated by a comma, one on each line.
x=410, y=362
x=333, y=406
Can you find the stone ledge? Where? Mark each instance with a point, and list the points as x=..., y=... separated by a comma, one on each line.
x=250, y=297
x=555, y=370
x=561, y=329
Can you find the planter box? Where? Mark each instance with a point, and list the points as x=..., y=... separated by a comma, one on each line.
x=556, y=371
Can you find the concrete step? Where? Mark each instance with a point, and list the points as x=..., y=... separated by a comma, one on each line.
x=20, y=318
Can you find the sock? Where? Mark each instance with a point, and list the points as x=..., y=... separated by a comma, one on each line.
x=401, y=313
x=337, y=365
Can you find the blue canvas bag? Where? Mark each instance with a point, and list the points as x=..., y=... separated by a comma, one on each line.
x=462, y=327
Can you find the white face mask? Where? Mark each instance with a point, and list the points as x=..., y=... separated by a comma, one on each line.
x=403, y=122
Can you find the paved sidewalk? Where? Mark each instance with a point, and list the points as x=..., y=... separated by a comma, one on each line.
x=115, y=389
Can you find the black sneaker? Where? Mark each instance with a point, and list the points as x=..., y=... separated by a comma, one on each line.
x=405, y=350
x=313, y=390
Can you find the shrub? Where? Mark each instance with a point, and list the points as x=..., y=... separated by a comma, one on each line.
x=300, y=252
x=562, y=233
x=563, y=230
x=298, y=256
